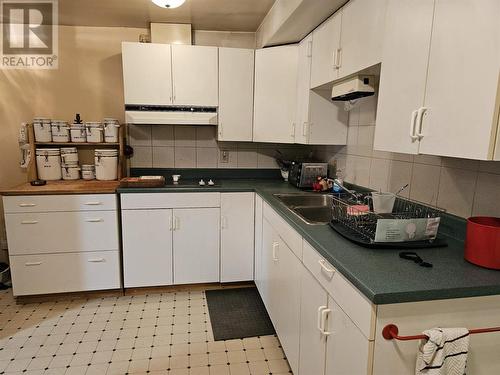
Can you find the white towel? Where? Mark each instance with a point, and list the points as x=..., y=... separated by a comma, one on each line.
x=444, y=353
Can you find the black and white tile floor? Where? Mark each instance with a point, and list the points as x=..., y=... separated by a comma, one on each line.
x=164, y=333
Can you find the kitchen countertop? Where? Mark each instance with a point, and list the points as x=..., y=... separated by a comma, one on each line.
x=379, y=274
x=64, y=187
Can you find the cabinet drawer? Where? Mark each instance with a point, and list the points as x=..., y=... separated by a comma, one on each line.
x=61, y=232
x=356, y=306
x=59, y=273
x=55, y=203
x=286, y=232
x=169, y=200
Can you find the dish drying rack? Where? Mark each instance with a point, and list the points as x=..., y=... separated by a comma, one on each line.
x=410, y=225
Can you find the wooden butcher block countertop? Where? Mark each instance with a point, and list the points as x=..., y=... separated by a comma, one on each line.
x=64, y=187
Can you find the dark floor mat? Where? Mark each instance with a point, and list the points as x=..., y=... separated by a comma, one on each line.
x=238, y=313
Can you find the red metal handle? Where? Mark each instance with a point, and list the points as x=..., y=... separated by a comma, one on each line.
x=390, y=332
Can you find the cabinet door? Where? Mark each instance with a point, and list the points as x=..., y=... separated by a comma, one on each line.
x=362, y=35
x=303, y=90
x=236, y=71
x=275, y=94
x=237, y=237
x=348, y=352
x=312, y=341
x=287, y=293
x=462, y=84
x=147, y=247
x=195, y=75
x=326, y=44
x=268, y=289
x=196, y=245
x=147, y=73
x=403, y=73
x=258, y=242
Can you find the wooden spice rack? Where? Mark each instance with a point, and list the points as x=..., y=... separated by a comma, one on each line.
x=120, y=145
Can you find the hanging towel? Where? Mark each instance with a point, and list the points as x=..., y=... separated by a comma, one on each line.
x=444, y=353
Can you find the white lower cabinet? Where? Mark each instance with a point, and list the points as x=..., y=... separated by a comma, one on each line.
x=151, y=232
x=237, y=237
x=258, y=241
x=196, y=245
x=280, y=291
x=61, y=273
x=62, y=243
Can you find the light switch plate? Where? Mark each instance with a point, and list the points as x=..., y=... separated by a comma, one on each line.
x=224, y=156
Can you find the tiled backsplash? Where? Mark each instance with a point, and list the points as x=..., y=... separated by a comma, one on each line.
x=166, y=146
x=462, y=187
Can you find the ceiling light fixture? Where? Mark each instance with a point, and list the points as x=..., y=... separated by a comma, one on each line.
x=169, y=4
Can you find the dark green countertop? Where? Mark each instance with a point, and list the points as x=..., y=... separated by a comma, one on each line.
x=379, y=274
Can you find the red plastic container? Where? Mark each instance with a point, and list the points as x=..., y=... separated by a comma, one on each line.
x=482, y=242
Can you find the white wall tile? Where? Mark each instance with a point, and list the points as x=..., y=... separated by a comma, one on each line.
x=425, y=183
x=206, y=157
x=490, y=167
x=142, y=158
x=367, y=110
x=352, y=140
x=247, y=159
x=487, y=197
x=139, y=135
x=365, y=140
x=427, y=159
x=379, y=174
x=163, y=135
x=185, y=136
x=456, y=190
x=472, y=165
x=205, y=136
x=265, y=159
x=163, y=157
x=185, y=157
x=400, y=175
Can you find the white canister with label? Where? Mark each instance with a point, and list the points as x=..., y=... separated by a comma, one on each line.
x=111, y=130
x=48, y=162
x=60, y=131
x=42, y=129
x=94, y=132
x=69, y=155
x=70, y=171
x=78, y=133
x=88, y=171
x=106, y=164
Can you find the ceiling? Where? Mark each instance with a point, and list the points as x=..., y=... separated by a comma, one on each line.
x=224, y=15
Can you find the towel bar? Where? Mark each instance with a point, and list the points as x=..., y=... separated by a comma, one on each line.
x=391, y=331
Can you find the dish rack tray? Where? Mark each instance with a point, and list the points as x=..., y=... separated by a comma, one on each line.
x=410, y=225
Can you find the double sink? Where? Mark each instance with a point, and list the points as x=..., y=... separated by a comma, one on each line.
x=312, y=208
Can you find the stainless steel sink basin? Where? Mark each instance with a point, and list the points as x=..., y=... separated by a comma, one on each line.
x=311, y=208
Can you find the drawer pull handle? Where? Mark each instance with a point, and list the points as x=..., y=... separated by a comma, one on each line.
x=29, y=222
x=32, y=264
x=325, y=269
x=97, y=220
x=92, y=203
x=324, y=314
x=96, y=260
x=276, y=247
x=320, y=310
x=27, y=204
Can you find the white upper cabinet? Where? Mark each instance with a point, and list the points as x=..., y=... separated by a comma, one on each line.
x=236, y=72
x=147, y=73
x=362, y=35
x=462, y=98
x=275, y=94
x=318, y=120
x=325, y=51
x=195, y=75
x=403, y=74
x=439, y=85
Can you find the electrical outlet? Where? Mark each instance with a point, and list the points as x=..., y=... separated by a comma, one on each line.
x=224, y=156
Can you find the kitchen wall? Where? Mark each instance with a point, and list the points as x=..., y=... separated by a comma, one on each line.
x=164, y=146
x=462, y=187
x=88, y=81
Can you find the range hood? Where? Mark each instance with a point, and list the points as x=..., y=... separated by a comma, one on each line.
x=353, y=88
x=170, y=115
